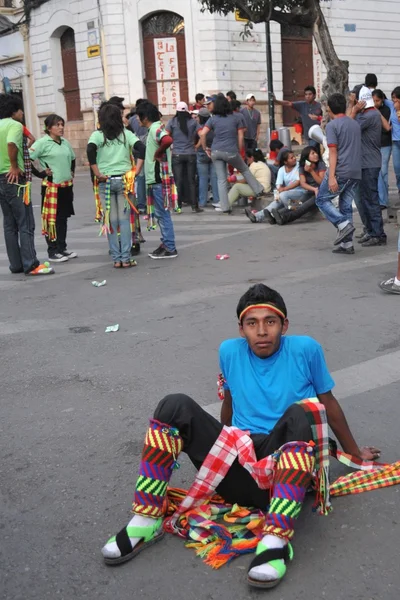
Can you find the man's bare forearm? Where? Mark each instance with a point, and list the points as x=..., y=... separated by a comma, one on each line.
x=13, y=154
x=338, y=423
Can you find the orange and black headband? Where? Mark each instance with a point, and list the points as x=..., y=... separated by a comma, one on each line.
x=274, y=309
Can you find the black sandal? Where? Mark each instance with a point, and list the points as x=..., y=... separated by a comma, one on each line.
x=274, y=558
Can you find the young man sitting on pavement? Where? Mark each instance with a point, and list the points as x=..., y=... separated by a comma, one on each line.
x=266, y=377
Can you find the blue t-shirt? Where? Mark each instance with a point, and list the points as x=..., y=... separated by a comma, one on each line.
x=262, y=389
x=394, y=120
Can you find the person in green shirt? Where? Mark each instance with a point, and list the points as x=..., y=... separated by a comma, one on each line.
x=161, y=190
x=18, y=219
x=110, y=157
x=56, y=153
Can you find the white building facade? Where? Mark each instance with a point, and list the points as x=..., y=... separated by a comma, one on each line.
x=167, y=50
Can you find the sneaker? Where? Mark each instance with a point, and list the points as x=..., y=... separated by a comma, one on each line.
x=135, y=249
x=69, y=254
x=270, y=217
x=216, y=204
x=372, y=241
x=341, y=250
x=157, y=252
x=177, y=211
x=280, y=216
x=164, y=254
x=43, y=269
x=343, y=233
x=197, y=209
x=364, y=238
x=389, y=286
x=250, y=215
x=58, y=258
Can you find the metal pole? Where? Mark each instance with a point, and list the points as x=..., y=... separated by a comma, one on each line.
x=271, y=107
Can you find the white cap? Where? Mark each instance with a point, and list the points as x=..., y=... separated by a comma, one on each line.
x=182, y=107
x=250, y=96
x=366, y=96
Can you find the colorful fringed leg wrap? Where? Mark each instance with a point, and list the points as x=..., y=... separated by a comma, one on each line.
x=161, y=449
x=292, y=478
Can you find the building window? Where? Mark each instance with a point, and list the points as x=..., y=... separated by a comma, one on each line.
x=163, y=23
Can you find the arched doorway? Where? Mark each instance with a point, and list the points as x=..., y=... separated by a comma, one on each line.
x=165, y=60
x=70, y=71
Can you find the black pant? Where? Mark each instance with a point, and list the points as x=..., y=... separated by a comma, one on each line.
x=369, y=207
x=300, y=211
x=59, y=245
x=199, y=431
x=250, y=144
x=184, y=168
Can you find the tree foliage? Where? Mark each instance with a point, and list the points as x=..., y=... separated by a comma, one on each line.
x=305, y=13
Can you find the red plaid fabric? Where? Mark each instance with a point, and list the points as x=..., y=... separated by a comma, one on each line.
x=232, y=443
x=49, y=210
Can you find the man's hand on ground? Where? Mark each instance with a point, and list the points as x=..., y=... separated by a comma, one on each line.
x=369, y=453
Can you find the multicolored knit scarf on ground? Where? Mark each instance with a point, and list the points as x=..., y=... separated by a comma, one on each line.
x=49, y=210
x=220, y=532
x=194, y=518
x=169, y=191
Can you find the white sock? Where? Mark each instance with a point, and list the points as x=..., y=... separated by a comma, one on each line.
x=266, y=572
x=347, y=244
x=111, y=550
x=343, y=225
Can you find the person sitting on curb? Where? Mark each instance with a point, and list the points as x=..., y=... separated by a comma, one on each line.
x=312, y=171
x=287, y=189
x=266, y=377
x=258, y=168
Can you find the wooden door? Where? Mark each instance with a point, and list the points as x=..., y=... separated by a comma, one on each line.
x=70, y=70
x=298, y=72
x=163, y=42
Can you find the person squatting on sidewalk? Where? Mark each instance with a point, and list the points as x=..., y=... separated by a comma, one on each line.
x=342, y=179
x=15, y=200
x=266, y=377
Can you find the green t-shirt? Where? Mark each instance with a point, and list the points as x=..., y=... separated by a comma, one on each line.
x=114, y=157
x=10, y=132
x=56, y=156
x=152, y=168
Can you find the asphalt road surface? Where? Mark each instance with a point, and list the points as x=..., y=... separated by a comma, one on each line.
x=75, y=403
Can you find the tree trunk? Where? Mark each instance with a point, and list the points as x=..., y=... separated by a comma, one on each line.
x=337, y=79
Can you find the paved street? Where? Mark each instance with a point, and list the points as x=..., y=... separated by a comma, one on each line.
x=75, y=402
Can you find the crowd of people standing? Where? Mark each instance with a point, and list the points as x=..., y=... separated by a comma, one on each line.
x=139, y=164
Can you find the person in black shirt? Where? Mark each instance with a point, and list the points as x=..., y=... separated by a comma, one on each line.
x=386, y=147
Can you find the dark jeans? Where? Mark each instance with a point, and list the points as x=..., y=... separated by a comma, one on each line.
x=60, y=244
x=250, y=144
x=19, y=228
x=199, y=431
x=300, y=211
x=184, y=169
x=367, y=202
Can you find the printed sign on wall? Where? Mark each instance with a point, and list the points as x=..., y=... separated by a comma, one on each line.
x=167, y=74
